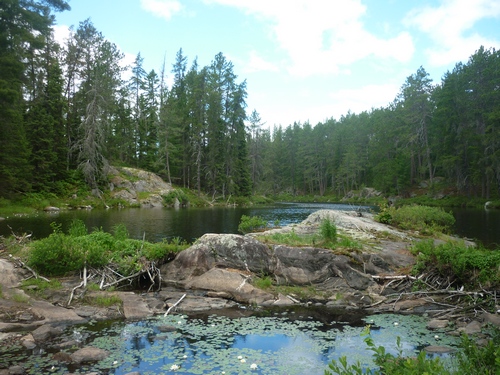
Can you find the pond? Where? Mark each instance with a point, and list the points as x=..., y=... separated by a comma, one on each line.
x=156, y=224
x=267, y=342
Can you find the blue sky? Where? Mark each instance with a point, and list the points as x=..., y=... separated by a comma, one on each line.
x=304, y=60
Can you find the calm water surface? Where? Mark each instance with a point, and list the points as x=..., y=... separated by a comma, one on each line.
x=156, y=224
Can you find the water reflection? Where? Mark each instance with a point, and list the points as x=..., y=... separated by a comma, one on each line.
x=157, y=224
x=273, y=345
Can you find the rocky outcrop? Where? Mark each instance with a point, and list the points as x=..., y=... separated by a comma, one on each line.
x=228, y=263
x=128, y=184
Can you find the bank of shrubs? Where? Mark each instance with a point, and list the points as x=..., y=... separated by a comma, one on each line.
x=471, y=266
x=61, y=253
x=424, y=219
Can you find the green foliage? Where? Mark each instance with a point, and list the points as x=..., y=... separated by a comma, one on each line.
x=77, y=228
x=120, y=232
x=19, y=298
x=263, y=282
x=60, y=254
x=328, y=230
x=467, y=265
x=171, y=196
x=425, y=219
x=476, y=360
x=471, y=360
x=251, y=223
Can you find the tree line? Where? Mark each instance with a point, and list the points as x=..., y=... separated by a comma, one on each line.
x=66, y=112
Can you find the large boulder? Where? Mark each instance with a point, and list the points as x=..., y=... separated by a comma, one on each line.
x=230, y=251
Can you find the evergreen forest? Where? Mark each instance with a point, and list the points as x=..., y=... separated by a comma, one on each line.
x=68, y=113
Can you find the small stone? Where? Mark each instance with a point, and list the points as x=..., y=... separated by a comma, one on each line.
x=89, y=354
x=45, y=332
x=167, y=328
x=492, y=319
x=16, y=370
x=438, y=349
x=437, y=324
x=473, y=327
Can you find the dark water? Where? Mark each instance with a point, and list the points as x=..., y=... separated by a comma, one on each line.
x=478, y=224
x=156, y=224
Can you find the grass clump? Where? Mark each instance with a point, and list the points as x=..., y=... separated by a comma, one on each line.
x=328, y=230
x=249, y=224
x=19, y=298
x=263, y=282
x=466, y=265
x=105, y=300
x=39, y=287
x=425, y=219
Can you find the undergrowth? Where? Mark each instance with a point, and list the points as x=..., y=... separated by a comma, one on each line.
x=465, y=265
x=470, y=360
x=60, y=253
x=424, y=219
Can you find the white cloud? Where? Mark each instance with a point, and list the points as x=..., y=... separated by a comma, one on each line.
x=447, y=25
x=321, y=37
x=162, y=8
x=259, y=64
x=363, y=99
x=61, y=34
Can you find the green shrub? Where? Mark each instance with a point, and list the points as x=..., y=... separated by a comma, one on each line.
x=169, y=198
x=475, y=360
x=120, y=232
x=251, y=223
x=77, y=228
x=60, y=254
x=425, y=219
x=468, y=265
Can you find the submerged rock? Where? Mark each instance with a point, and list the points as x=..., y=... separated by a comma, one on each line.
x=89, y=354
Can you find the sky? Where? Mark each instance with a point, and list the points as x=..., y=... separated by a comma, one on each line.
x=303, y=60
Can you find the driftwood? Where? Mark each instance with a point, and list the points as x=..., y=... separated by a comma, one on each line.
x=18, y=262
x=439, y=291
x=175, y=304
x=109, y=276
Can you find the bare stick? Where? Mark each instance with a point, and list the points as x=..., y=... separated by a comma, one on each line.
x=73, y=292
x=175, y=304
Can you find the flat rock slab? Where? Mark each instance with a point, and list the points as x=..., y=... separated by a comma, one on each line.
x=134, y=306
x=55, y=314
